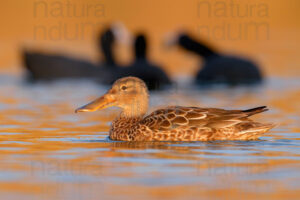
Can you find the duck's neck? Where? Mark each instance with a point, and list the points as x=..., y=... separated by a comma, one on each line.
x=108, y=55
x=140, y=53
x=140, y=50
x=106, y=46
x=135, y=111
x=125, y=124
x=125, y=121
x=197, y=47
x=126, y=118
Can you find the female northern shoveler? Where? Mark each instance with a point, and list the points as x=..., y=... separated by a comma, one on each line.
x=174, y=123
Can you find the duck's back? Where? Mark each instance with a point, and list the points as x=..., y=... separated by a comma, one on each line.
x=203, y=124
x=47, y=66
x=229, y=70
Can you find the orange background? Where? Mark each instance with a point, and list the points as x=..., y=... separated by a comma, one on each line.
x=277, y=54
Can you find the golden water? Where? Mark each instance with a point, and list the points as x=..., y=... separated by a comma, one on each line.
x=49, y=152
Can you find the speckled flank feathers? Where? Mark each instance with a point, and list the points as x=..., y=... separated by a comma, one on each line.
x=189, y=124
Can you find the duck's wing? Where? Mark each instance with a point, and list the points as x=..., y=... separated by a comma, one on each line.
x=175, y=117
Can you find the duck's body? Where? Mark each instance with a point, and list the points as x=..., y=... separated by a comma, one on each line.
x=42, y=66
x=229, y=70
x=189, y=124
x=173, y=123
x=221, y=68
x=46, y=66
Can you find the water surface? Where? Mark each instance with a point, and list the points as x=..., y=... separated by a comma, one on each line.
x=49, y=152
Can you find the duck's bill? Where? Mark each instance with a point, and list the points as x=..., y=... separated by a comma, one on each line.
x=100, y=103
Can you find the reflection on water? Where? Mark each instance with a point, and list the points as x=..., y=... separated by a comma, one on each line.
x=47, y=151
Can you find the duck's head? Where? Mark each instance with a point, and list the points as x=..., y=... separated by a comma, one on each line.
x=129, y=93
x=140, y=46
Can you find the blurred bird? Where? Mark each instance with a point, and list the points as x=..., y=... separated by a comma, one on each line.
x=151, y=74
x=218, y=67
x=42, y=66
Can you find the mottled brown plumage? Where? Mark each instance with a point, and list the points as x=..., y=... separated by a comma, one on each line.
x=175, y=123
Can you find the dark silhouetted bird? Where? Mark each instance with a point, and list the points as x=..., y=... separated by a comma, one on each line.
x=52, y=67
x=218, y=67
x=42, y=66
x=153, y=75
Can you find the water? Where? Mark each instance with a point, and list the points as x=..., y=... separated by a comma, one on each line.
x=49, y=152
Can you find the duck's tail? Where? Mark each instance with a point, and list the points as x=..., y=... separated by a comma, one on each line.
x=255, y=132
x=256, y=110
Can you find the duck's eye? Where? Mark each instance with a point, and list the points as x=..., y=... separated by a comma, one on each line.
x=123, y=87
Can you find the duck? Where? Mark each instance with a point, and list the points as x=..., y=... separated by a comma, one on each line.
x=45, y=66
x=153, y=75
x=52, y=67
x=172, y=123
x=219, y=68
